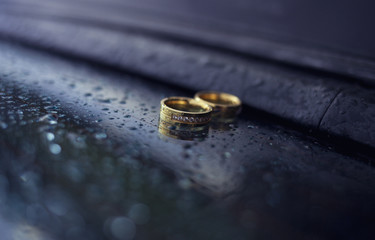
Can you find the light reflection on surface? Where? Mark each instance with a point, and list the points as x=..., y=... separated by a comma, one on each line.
x=19, y=230
x=187, y=134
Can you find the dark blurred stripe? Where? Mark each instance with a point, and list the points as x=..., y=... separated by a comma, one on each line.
x=223, y=30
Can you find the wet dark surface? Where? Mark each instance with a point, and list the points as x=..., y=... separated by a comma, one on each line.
x=82, y=158
x=301, y=96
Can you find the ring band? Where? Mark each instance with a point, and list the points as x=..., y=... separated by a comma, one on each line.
x=224, y=105
x=185, y=111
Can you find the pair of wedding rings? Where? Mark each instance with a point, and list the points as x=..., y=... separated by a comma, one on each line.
x=194, y=114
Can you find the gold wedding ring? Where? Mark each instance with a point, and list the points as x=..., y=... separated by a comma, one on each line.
x=224, y=105
x=184, y=112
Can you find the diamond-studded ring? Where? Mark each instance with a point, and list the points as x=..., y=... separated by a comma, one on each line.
x=184, y=110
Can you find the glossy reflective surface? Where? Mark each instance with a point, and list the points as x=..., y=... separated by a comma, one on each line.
x=82, y=158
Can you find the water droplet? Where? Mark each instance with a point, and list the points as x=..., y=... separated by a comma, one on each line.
x=139, y=213
x=22, y=97
x=3, y=125
x=50, y=118
x=104, y=100
x=55, y=148
x=57, y=203
x=185, y=183
x=50, y=136
x=98, y=88
x=187, y=146
x=100, y=136
x=122, y=228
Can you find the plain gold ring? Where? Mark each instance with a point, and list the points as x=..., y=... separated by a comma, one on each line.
x=224, y=105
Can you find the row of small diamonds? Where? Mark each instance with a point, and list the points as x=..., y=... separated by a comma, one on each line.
x=191, y=119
